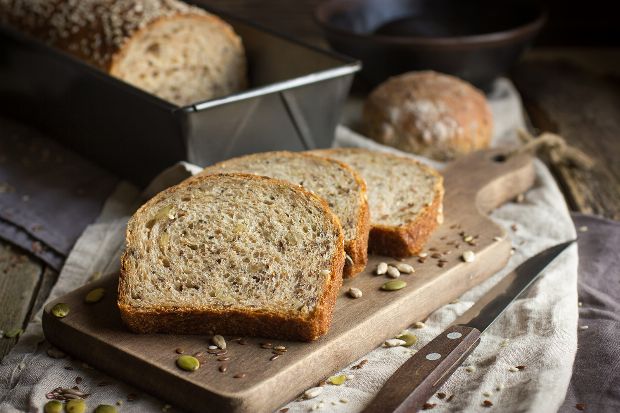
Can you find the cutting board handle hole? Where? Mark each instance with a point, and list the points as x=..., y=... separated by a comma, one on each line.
x=500, y=158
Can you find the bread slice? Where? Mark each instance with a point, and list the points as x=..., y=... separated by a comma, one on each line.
x=405, y=199
x=342, y=188
x=232, y=254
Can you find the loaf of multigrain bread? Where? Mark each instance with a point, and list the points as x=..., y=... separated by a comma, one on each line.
x=232, y=254
x=175, y=51
x=335, y=182
x=404, y=196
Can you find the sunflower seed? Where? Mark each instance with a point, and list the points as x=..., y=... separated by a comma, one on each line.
x=219, y=341
x=381, y=268
x=355, y=292
x=313, y=392
x=394, y=342
x=468, y=256
x=404, y=268
x=393, y=272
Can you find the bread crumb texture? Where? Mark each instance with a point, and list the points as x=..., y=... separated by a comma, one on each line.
x=232, y=244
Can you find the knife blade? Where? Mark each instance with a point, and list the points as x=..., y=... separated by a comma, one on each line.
x=419, y=377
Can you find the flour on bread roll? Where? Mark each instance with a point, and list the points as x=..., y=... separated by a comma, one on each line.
x=175, y=51
x=430, y=114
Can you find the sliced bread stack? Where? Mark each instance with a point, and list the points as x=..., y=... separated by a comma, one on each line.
x=405, y=199
x=339, y=185
x=232, y=254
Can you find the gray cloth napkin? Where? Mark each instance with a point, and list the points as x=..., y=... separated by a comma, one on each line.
x=539, y=331
x=596, y=378
x=48, y=194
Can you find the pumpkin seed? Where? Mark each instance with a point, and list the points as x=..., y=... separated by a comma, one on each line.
x=105, y=408
x=60, y=310
x=393, y=285
x=94, y=296
x=337, y=380
x=219, y=341
x=53, y=406
x=408, y=338
x=404, y=268
x=14, y=332
x=75, y=406
x=188, y=363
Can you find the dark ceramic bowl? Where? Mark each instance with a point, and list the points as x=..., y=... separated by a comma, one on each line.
x=476, y=40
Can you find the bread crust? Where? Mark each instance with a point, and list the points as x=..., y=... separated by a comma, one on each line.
x=404, y=240
x=100, y=32
x=430, y=114
x=216, y=320
x=357, y=248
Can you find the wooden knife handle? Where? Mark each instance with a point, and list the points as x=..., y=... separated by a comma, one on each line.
x=416, y=380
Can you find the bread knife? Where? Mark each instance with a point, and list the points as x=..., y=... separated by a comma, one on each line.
x=419, y=378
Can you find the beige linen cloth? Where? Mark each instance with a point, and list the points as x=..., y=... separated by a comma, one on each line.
x=539, y=331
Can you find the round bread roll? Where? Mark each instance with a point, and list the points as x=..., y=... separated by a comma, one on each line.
x=175, y=51
x=430, y=114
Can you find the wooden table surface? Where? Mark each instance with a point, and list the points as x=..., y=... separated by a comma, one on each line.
x=573, y=92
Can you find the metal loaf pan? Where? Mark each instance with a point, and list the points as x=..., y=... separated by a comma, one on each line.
x=293, y=103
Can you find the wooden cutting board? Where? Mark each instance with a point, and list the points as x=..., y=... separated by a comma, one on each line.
x=474, y=186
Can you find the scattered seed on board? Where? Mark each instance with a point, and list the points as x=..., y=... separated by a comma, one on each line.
x=223, y=368
x=279, y=348
x=580, y=406
x=394, y=285
x=487, y=403
x=583, y=228
x=419, y=324
x=520, y=367
x=219, y=341
x=274, y=357
x=513, y=369
x=337, y=380
x=381, y=268
x=60, y=310
x=583, y=327
x=468, y=256
x=499, y=387
x=239, y=375
x=360, y=365
x=497, y=239
x=313, y=392
x=394, y=342
x=428, y=406
x=486, y=394
x=405, y=268
x=94, y=296
x=441, y=395
x=188, y=363
x=266, y=345
x=408, y=338
x=344, y=400
x=213, y=347
x=393, y=272
x=579, y=304
x=470, y=369
x=423, y=255
x=179, y=350
x=355, y=292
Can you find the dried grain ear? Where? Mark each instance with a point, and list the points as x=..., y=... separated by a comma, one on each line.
x=243, y=254
x=339, y=185
x=404, y=197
